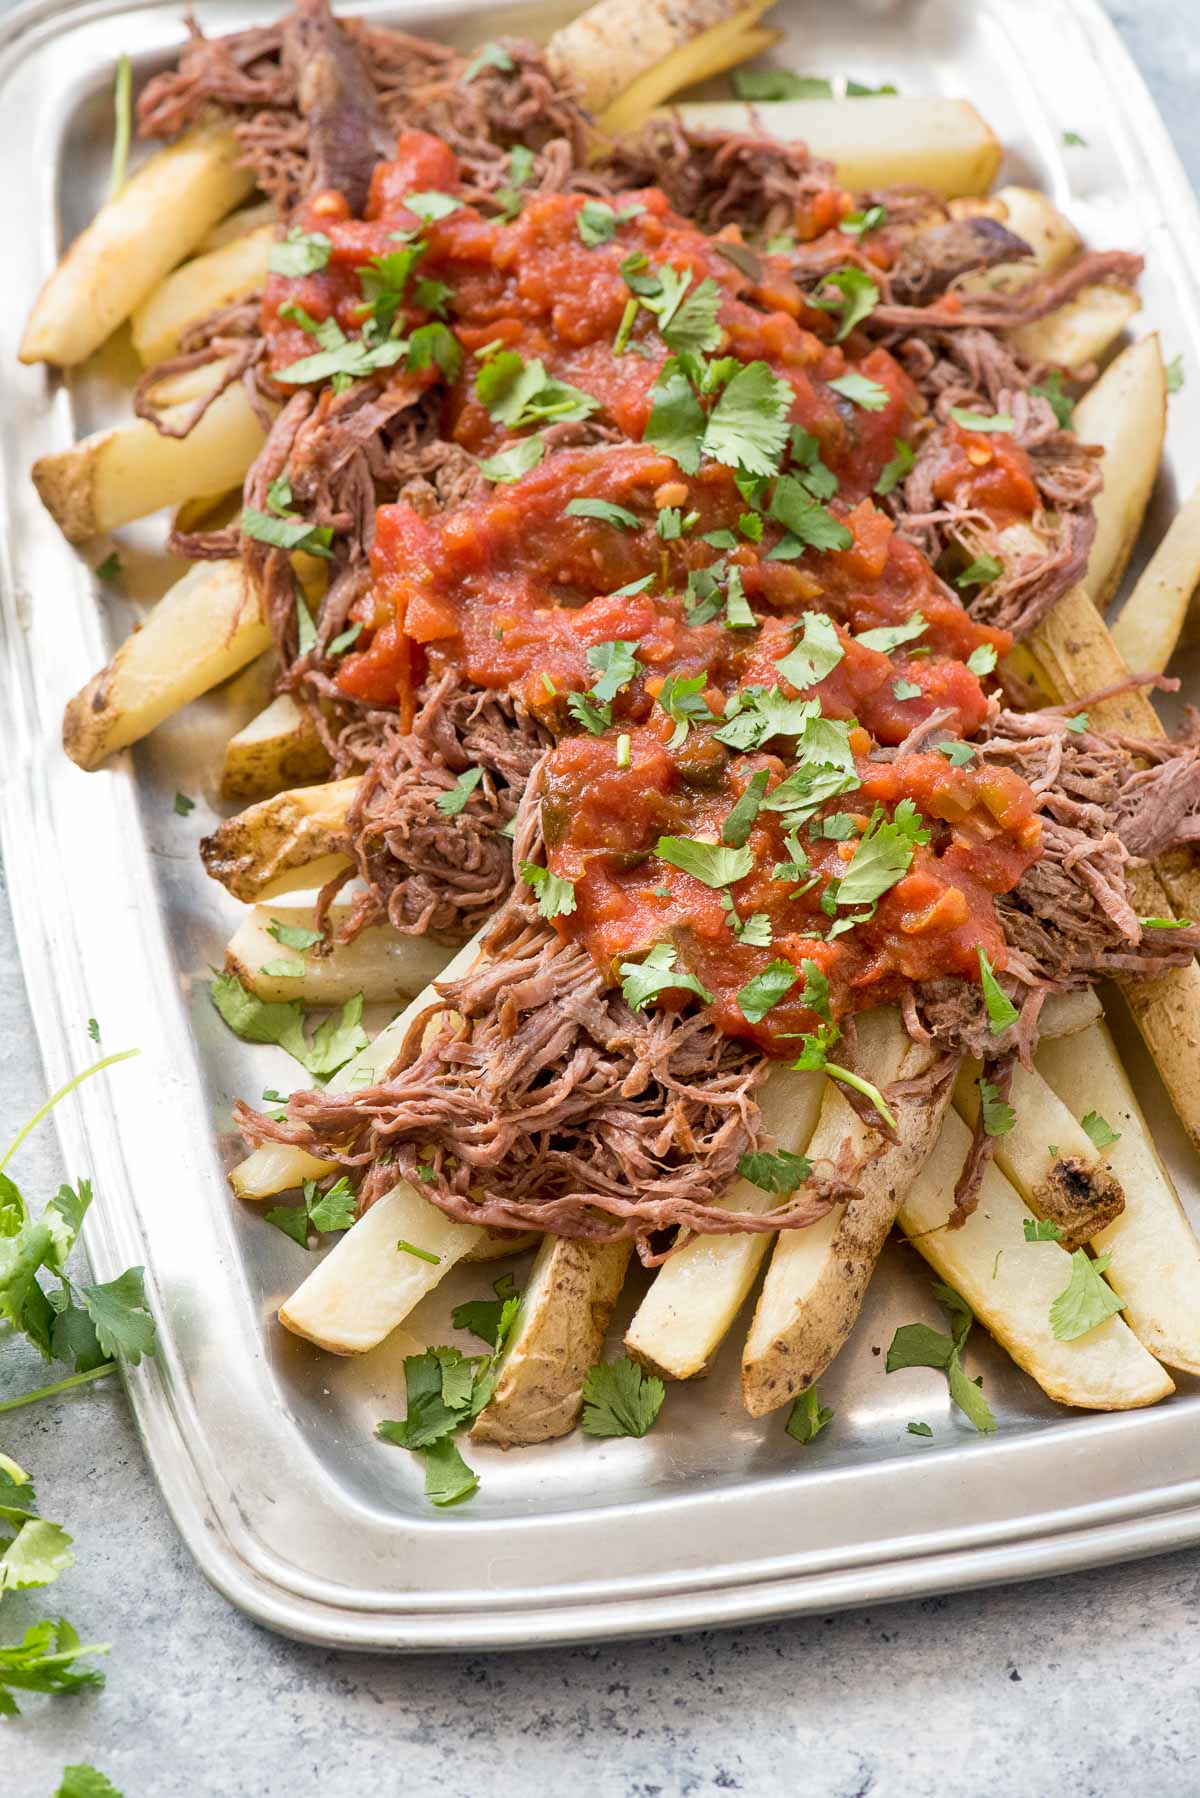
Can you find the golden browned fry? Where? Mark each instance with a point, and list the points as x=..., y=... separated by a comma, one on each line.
x=250, y=851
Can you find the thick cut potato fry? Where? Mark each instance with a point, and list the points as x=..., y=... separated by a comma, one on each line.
x=237, y=224
x=1155, y=1255
x=1065, y=1013
x=367, y=1284
x=609, y=49
x=136, y=238
x=250, y=851
x=696, y=1295
x=565, y=1310
x=207, y=627
x=731, y=42
x=1010, y=1284
x=1126, y=413
x=127, y=473
x=279, y=748
x=1082, y=329
x=496, y=1245
x=936, y=143
x=1052, y=239
x=277, y=1166
x=205, y=284
x=817, y=1277
x=1149, y=624
x=380, y=963
x=1049, y=1159
x=1075, y=655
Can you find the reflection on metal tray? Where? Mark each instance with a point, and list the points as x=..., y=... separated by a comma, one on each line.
x=264, y=1446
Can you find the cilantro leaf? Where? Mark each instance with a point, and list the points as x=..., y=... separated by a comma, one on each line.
x=981, y=572
x=35, y=1555
x=1078, y=723
x=890, y=636
x=1146, y=924
x=451, y=803
x=337, y=1040
x=620, y=1399
x=1086, y=1300
x=740, y=821
x=807, y=1417
x=983, y=421
x=857, y=298
x=687, y=320
x=761, y=994
x=603, y=509
x=681, y=698
x=820, y=481
x=1175, y=377
x=292, y=1220
x=958, y=754
x=710, y=863
x=918, y=1429
x=281, y=1022
x=1100, y=1131
x=1073, y=141
x=919, y=1345
x=595, y=719
x=907, y=689
x=518, y=393
x=811, y=523
x=556, y=895
x=982, y=659
x=293, y=936
x=488, y=56
x=511, y=463
x=82, y=1781
x=44, y=1661
x=645, y=980
x=780, y=84
x=300, y=253
x=448, y=1479
x=1061, y=403
x=124, y=1326
x=677, y=422
x=774, y=1170
x=998, y=1115
x=110, y=569
x=882, y=856
x=1000, y=1008
x=598, y=223
x=287, y=533
x=748, y=427
x=332, y=1210
x=868, y=395
x=898, y=468
x=1040, y=1229
x=489, y=1319
x=433, y=205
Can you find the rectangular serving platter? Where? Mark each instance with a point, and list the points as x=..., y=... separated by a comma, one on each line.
x=262, y=1445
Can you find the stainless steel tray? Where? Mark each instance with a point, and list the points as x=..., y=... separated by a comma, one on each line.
x=263, y=1446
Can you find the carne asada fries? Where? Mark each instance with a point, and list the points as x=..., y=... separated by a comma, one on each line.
x=676, y=546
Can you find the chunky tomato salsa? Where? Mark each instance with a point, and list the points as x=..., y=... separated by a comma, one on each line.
x=763, y=791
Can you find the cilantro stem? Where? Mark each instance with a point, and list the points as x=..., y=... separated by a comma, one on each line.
x=75, y=1379
x=122, y=90
x=864, y=1087
x=52, y=1101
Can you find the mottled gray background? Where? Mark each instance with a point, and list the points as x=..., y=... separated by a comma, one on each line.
x=1084, y=1686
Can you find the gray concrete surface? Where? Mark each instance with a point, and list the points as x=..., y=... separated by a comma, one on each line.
x=1083, y=1686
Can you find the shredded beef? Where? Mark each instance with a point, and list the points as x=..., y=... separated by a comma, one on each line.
x=934, y=257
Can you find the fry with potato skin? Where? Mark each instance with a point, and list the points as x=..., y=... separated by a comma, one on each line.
x=249, y=852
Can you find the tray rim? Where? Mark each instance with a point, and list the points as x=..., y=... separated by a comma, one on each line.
x=282, y=1597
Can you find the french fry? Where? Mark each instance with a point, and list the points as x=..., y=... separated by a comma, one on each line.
x=306, y=877
x=565, y=1310
x=127, y=473
x=136, y=238
x=1149, y=624
x=277, y=1166
x=610, y=51
x=1047, y=1156
x=248, y=852
x=208, y=626
x=936, y=143
x=1010, y=1284
x=1052, y=238
x=1155, y=1255
x=1126, y=412
x=279, y=748
x=696, y=1295
x=1082, y=330
x=1065, y=1013
x=237, y=224
x=367, y=1283
x=817, y=1276
x=1075, y=655
x=205, y=284
x=381, y=964
x=497, y=1245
